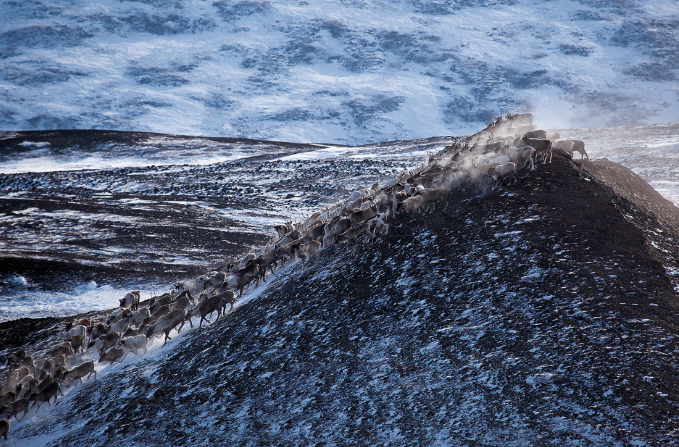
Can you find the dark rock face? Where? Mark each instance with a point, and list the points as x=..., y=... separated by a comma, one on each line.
x=539, y=314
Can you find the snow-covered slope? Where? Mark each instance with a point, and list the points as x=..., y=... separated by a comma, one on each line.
x=539, y=314
x=350, y=72
x=135, y=211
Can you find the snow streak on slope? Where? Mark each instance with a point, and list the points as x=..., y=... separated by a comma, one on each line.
x=81, y=298
x=40, y=156
x=335, y=71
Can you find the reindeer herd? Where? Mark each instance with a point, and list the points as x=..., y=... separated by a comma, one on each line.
x=488, y=158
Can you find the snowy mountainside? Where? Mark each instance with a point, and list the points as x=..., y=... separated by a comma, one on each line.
x=334, y=71
x=543, y=313
x=139, y=211
x=87, y=215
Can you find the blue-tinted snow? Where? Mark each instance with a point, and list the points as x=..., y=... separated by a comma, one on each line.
x=25, y=302
x=334, y=71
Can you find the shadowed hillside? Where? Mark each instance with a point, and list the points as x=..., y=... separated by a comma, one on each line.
x=537, y=314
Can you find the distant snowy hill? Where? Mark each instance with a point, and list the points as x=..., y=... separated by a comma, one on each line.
x=351, y=72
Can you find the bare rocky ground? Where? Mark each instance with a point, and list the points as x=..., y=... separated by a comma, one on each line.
x=543, y=313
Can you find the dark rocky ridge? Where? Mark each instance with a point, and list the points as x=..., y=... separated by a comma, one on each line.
x=539, y=314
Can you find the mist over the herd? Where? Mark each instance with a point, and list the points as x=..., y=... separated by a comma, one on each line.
x=247, y=223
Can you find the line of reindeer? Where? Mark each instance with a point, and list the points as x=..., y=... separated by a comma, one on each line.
x=485, y=159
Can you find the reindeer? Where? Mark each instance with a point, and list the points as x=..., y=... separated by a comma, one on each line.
x=112, y=355
x=397, y=199
x=579, y=146
x=228, y=297
x=158, y=314
x=543, y=148
x=77, y=330
x=139, y=316
x=431, y=196
x=264, y=261
x=104, y=342
x=214, y=280
x=380, y=225
x=253, y=272
x=80, y=371
x=184, y=300
x=308, y=250
x=315, y=234
x=412, y=205
x=521, y=156
x=175, y=318
x=46, y=395
x=96, y=331
x=65, y=348
x=207, y=307
x=121, y=326
x=4, y=429
x=56, y=361
x=132, y=344
x=361, y=216
x=131, y=300
x=14, y=408
x=382, y=202
x=77, y=342
x=312, y=220
x=237, y=282
x=352, y=234
x=282, y=230
x=6, y=398
x=158, y=302
x=117, y=315
x=27, y=362
x=334, y=229
x=537, y=134
x=15, y=357
x=46, y=381
x=499, y=172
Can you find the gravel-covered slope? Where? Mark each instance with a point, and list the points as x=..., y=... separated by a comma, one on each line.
x=540, y=314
